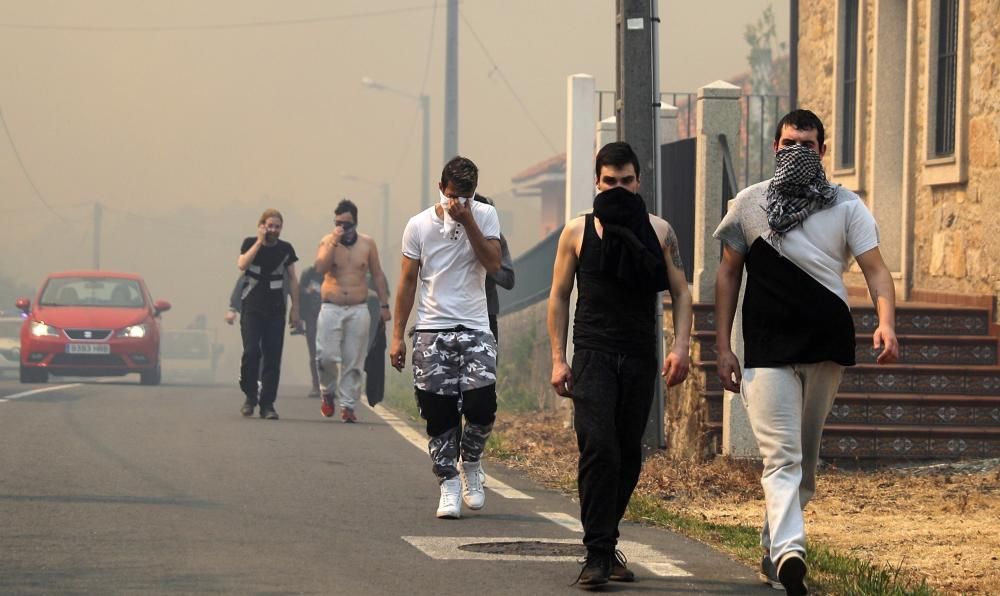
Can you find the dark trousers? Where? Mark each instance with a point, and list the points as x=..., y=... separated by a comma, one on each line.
x=449, y=440
x=612, y=394
x=263, y=339
x=375, y=366
x=310, y=322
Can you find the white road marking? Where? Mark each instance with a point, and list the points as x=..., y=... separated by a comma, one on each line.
x=563, y=519
x=420, y=442
x=447, y=548
x=37, y=391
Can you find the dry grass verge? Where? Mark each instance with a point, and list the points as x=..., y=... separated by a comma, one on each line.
x=934, y=523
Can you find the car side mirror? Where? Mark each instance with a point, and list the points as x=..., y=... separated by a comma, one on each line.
x=23, y=305
x=160, y=306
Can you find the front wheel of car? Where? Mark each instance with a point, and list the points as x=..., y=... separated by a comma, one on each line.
x=34, y=375
x=151, y=377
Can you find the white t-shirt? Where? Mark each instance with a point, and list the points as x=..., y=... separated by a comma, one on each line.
x=822, y=246
x=452, y=281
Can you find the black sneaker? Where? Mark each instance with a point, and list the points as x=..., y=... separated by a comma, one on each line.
x=268, y=413
x=792, y=573
x=619, y=571
x=596, y=570
x=769, y=573
x=247, y=408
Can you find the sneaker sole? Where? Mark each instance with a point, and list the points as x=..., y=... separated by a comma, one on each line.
x=792, y=575
x=448, y=515
x=776, y=584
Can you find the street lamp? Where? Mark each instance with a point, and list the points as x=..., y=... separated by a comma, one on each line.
x=425, y=108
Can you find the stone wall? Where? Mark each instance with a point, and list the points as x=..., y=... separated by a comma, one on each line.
x=525, y=365
x=956, y=235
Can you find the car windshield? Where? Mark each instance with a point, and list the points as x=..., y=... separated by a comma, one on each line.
x=11, y=328
x=184, y=345
x=112, y=292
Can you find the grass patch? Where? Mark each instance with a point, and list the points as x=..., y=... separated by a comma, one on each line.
x=830, y=572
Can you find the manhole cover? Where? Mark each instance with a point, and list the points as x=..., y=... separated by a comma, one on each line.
x=533, y=548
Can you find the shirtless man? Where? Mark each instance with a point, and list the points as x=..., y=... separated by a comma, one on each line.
x=344, y=259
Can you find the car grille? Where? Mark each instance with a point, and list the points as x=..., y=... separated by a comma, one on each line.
x=95, y=334
x=87, y=360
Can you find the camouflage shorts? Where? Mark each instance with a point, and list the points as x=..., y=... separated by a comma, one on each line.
x=450, y=362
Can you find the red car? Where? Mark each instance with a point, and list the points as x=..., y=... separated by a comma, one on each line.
x=94, y=324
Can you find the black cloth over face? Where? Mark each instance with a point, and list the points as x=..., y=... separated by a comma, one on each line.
x=630, y=250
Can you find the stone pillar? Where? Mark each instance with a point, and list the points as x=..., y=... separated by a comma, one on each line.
x=718, y=113
x=581, y=113
x=607, y=132
x=737, y=437
x=668, y=123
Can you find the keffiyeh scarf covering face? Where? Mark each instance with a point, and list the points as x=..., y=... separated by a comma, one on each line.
x=630, y=250
x=799, y=189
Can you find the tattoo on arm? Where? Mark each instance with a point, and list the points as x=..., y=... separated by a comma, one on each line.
x=675, y=253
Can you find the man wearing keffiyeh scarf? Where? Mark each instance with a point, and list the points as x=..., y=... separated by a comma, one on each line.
x=797, y=329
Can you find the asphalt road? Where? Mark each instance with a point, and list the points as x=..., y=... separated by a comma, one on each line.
x=110, y=488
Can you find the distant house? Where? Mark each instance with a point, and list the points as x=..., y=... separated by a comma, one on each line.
x=546, y=180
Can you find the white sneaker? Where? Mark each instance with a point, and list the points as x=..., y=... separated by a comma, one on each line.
x=473, y=479
x=450, y=505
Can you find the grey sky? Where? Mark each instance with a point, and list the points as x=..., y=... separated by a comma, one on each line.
x=186, y=134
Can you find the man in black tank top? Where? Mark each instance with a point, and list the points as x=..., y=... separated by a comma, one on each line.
x=621, y=257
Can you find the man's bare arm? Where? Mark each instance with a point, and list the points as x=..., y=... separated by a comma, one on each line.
x=404, y=304
x=563, y=271
x=728, y=279
x=324, y=254
x=883, y=293
x=677, y=363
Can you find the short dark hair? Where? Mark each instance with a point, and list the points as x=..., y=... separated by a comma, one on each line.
x=347, y=206
x=801, y=120
x=617, y=155
x=461, y=173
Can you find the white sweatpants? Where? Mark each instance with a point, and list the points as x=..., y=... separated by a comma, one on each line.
x=341, y=348
x=787, y=408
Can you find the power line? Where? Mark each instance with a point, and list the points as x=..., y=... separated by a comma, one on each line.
x=24, y=169
x=496, y=69
x=207, y=27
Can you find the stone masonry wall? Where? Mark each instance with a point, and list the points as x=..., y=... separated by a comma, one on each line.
x=956, y=229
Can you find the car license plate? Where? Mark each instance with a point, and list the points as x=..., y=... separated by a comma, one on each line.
x=88, y=348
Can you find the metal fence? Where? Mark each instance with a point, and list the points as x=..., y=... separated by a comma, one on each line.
x=753, y=156
x=534, y=275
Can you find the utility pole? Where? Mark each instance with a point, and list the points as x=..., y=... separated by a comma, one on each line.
x=425, y=154
x=637, y=114
x=385, y=224
x=451, y=84
x=98, y=212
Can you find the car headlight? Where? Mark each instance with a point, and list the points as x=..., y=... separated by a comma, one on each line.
x=135, y=331
x=40, y=329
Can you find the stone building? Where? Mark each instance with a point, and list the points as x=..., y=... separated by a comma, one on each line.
x=910, y=93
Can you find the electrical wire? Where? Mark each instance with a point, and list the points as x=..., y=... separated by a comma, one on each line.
x=496, y=69
x=216, y=26
x=24, y=168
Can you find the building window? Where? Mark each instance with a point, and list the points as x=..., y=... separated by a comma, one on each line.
x=946, y=96
x=848, y=86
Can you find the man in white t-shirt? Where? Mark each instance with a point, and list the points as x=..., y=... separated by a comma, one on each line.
x=795, y=234
x=447, y=251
